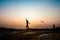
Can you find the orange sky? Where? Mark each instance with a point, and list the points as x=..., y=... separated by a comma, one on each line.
x=13, y=14
x=21, y=23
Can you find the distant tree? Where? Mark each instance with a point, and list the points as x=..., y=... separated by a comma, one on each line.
x=54, y=27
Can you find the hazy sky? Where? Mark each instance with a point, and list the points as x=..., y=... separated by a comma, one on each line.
x=13, y=13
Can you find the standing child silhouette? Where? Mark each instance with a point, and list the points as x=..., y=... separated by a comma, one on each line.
x=27, y=24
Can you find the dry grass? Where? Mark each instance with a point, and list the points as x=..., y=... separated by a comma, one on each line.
x=30, y=35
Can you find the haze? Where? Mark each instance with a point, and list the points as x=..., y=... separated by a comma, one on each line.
x=13, y=13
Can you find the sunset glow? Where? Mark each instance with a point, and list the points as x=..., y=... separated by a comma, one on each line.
x=14, y=13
